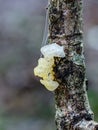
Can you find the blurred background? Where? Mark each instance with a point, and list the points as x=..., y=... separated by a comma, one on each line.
x=24, y=103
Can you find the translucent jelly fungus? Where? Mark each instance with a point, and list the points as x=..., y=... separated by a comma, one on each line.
x=53, y=50
x=45, y=65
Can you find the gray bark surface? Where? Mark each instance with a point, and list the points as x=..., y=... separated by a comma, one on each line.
x=71, y=101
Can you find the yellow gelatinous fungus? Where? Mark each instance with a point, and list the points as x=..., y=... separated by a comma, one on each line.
x=45, y=65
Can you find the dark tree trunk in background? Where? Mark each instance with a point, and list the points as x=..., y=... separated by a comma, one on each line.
x=65, y=28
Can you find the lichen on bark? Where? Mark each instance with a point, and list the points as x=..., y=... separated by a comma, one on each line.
x=71, y=101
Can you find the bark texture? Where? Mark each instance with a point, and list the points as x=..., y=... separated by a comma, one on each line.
x=65, y=28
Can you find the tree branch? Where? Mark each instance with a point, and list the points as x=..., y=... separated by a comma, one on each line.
x=65, y=28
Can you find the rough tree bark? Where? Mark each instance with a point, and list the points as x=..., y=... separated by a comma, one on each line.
x=65, y=28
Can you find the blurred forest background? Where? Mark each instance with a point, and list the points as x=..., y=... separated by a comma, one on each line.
x=24, y=103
